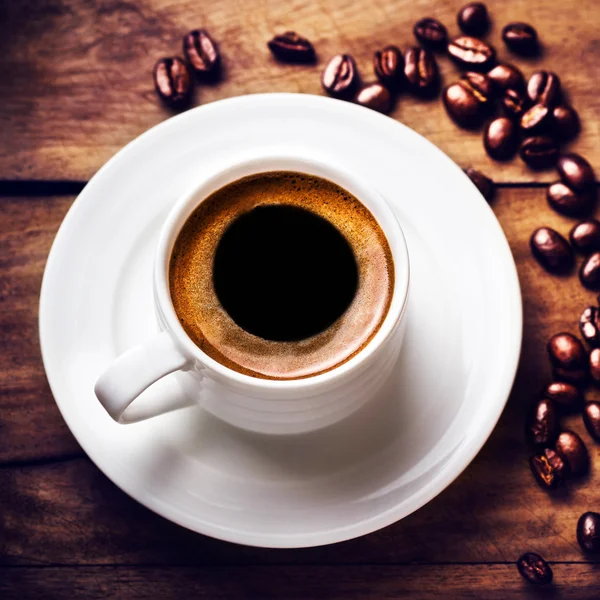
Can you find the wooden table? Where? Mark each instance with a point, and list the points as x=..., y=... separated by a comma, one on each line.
x=75, y=86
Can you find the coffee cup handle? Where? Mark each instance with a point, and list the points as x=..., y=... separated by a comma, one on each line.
x=132, y=373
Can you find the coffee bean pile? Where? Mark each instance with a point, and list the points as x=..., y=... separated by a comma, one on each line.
x=534, y=121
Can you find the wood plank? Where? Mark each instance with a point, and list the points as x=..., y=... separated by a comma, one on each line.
x=70, y=513
x=493, y=582
x=31, y=426
x=77, y=84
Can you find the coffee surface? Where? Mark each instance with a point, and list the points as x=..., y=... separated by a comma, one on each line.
x=281, y=275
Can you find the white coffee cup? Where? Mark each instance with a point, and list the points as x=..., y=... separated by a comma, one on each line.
x=186, y=375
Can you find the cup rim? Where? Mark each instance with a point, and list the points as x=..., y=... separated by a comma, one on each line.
x=300, y=160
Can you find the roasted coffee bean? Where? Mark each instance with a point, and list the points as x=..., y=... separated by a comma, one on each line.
x=567, y=202
x=585, y=236
x=541, y=427
x=340, y=76
x=514, y=103
x=589, y=326
x=463, y=107
x=589, y=272
x=505, y=76
x=473, y=18
x=201, y=52
x=571, y=447
x=421, y=71
x=388, y=65
x=575, y=171
x=543, y=87
x=431, y=33
x=484, y=184
x=289, y=47
x=479, y=84
x=534, y=569
x=591, y=418
x=588, y=532
x=594, y=365
x=566, y=396
x=471, y=53
x=549, y=468
x=536, y=120
x=566, y=122
x=467, y=100
x=501, y=138
x=376, y=97
x=520, y=38
x=551, y=250
x=539, y=152
x=566, y=351
x=172, y=81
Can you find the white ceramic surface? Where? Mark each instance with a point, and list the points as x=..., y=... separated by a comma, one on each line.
x=259, y=405
x=386, y=460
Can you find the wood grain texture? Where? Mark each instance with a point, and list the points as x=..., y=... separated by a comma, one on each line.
x=30, y=425
x=456, y=582
x=76, y=74
x=70, y=513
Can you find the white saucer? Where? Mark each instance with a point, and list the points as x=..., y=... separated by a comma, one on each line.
x=447, y=392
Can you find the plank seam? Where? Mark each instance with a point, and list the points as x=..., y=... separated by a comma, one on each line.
x=251, y=565
x=40, y=462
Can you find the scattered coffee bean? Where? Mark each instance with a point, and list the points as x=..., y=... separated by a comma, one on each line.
x=172, y=81
x=431, y=33
x=585, y=236
x=484, y=184
x=536, y=120
x=201, y=52
x=575, y=171
x=376, y=97
x=421, y=71
x=541, y=427
x=565, y=396
x=566, y=351
x=589, y=326
x=514, y=103
x=501, y=138
x=571, y=447
x=506, y=77
x=589, y=273
x=551, y=250
x=340, y=76
x=566, y=122
x=534, y=569
x=591, y=418
x=594, y=366
x=389, y=67
x=567, y=202
x=539, y=152
x=471, y=53
x=549, y=468
x=520, y=38
x=290, y=47
x=473, y=18
x=543, y=87
x=467, y=100
x=588, y=532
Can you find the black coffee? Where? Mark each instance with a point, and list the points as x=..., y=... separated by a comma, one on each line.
x=284, y=273
x=281, y=275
